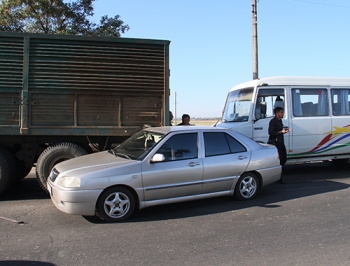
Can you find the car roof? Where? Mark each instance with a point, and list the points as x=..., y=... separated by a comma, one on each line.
x=167, y=129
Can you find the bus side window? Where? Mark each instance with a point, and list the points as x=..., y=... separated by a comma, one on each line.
x=278, y=103
x=260, y=110
x=340, y=101
x=309, y=102
x=268, y=99
x=307, y=108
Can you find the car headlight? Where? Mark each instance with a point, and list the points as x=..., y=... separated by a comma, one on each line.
x=69, y=181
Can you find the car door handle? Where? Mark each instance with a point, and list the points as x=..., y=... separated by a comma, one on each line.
x=242, y=157
x=193, y=164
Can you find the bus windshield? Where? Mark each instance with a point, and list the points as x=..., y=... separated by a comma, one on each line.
x=237, y=106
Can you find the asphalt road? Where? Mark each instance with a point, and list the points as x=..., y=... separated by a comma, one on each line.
x=302, y=222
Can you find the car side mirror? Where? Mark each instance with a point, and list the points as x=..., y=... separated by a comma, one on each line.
x=158, y=158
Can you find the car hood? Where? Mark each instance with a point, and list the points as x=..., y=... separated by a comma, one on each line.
x=92, y=162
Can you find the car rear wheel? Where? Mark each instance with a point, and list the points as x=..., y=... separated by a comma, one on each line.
x=247, y=187
x=116, y=204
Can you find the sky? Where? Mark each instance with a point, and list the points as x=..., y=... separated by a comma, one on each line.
x=211, y=43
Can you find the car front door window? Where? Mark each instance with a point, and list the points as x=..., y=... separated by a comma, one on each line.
x=180, y=147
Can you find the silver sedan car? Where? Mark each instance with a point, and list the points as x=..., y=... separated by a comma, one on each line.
x=161, y=165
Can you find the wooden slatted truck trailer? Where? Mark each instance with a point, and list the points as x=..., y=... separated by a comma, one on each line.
x=65, y=96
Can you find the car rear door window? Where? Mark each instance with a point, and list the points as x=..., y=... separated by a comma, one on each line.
x=220, y=143
x=235, y=146
x=180, y=147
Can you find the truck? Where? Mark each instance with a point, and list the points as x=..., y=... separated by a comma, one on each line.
x=64, y=96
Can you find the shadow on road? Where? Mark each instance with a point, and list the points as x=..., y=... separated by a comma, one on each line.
x=267, y=198
x=301, y=180
x=24, y=263
x=304, y=172
x=28, y=188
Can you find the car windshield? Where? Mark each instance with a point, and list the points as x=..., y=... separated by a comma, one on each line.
x=137, y=146
x=238, y=105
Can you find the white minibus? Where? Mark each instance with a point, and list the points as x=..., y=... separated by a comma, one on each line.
x=317, y=110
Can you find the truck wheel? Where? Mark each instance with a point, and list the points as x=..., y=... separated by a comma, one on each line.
x=53, y=155
x=7, y=168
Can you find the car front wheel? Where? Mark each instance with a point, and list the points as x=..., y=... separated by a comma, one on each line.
x=247, y=187
x=116, y=204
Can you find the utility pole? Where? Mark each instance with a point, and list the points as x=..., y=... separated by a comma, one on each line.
x=255, y=39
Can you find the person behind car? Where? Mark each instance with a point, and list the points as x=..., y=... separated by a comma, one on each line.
x=185, y=120
x=171, y=117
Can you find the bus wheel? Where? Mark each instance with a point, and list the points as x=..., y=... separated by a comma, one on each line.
x=53, y=155
x=340, y=161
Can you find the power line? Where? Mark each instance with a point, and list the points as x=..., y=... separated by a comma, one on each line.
x=323, y=4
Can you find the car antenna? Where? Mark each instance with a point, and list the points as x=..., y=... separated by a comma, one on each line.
x=217, y=122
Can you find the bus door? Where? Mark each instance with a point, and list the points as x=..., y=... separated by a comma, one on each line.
x=311, y=122
x=340, y=100
x=266, y=100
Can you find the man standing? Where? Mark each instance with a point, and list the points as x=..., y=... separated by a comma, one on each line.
x=171, y=117
x=185, y=120
x=276, y=132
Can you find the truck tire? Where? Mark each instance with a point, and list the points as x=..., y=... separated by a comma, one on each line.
x=7, y=169
x=53, y=155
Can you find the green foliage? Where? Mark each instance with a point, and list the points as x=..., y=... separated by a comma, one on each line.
x=57, y=17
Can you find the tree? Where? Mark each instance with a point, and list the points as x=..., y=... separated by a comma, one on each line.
x=57, y=17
